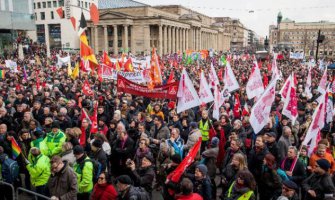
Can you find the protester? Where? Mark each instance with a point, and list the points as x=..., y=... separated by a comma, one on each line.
x=127, y=191
x=243, y=187
x=186, y=188
x=103, y=189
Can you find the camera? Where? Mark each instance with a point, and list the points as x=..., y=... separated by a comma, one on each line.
x=128, y=162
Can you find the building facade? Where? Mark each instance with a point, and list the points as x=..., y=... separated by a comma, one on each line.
x=16, y=17
x=302, y=36
x=137, y=27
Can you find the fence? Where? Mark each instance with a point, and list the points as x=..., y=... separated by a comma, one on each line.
x=15, y=193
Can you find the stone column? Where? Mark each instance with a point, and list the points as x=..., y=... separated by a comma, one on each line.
x=96, y=40
x=132, y=40
x=181, y=40
x=173, y=39
x=106, y=38
x=125, y=37
x=47, y=38
x=190, y=38
x=195, y=39
x=169, y=30
x=115, y=40
x=200, y=41
x=164, y=39
x=160, y=40
x=178, y=39
x=186, y=39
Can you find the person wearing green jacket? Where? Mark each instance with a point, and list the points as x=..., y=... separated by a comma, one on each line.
x=84, y=171
x=54, y=140
x=39, y=171
x=38, y=142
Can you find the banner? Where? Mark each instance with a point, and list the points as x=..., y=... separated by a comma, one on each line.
x=11, y=65
x=297, y=55
x=168, y=91
x=109, y=73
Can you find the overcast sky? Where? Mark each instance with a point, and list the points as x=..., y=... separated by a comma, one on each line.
x=264, y=11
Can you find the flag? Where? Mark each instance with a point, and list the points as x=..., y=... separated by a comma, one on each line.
x=117, y=66
x=265, y=79
x=73, y=21
x=217, y=103
x=86, y=52
x=245, y=111
x=69, y=69
x=75, y=72
x=255, y=87
x=94, y=12
x=106, y=60
x=155, y=71
x=16, y=150
x=275, y=72
x=25, y=76
x=128, y=65
x=100, y=73
x=261, y=110
x=230, y=82
x=60, y=12
x=284, y=90
x=187, y=95
x=308, y=86
x=213, y=78
x=84, y=115
x=94, y=119
x=2, y=74
x=318, y=122
x=237, y=106
x=223, y=60
x=323, y=83
x=171, y=77
x=205, y=93
x=290, y=108
x=82, y=25
x=87, y=89
x=85, y=65
x=330, y=106
x=220, y=74
x=175, y=175
x=333, y=85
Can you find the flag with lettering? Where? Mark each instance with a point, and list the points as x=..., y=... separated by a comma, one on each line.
x=290, y=108
x=187, y=95
x=260, y=112
x=308, y=86
x=284, y=90
x=205, y=93
x=230, y=82
x=213, y=78
x=255, y=86
x=87, y=89
x=217, y=103
x=323, y=83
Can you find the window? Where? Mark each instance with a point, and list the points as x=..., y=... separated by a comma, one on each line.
x=42, y=15
x=78, y=4
x=49, y=4
x=61, y=3
x=85, y=4
x=34, y=6
x=44, y=4
x=54, y=4
x=38, y=5
x=35, y=16
x=52, y=14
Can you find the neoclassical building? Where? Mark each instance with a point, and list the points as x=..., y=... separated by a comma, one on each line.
x=137, y=27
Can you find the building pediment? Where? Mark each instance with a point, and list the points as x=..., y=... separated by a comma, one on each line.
x=108, y=14
x=194, y=17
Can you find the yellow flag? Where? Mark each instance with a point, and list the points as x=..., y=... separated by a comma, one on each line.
x=75, y=72
x=69, y=69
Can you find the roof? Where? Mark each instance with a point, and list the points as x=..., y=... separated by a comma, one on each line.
x=105, y=4
x=287, y=20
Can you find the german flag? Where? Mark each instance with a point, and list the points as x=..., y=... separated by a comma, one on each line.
x=86, y=52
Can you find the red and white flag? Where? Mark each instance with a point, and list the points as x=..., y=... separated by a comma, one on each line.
x=245, y=111
x=84, y=115
x=284, y=90
x=255, y=87
x=205, y=93
x=260, y=112
x=213, y=78
x=171, y=77
x=290, y=108
x=217, y=103
x=230, y=82
x=94, y=119
x=87, y=89
x=323, y=83
x=330, y=106
x=318, y=122
x=275, y=71
x=308, y=86
x=237, y=107
x=187, y=95
x=333, y=85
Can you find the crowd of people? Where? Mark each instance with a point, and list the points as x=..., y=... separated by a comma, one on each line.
x=140, y=140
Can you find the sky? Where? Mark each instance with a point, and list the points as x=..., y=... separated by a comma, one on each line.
x=264, y=11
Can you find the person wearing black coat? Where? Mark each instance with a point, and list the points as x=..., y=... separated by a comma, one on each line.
x=201, y=182
x=272, y=145
x=99, y=154
x=296, y=174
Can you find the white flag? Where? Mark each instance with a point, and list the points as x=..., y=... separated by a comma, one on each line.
x=61, y=61
x=330, y=106
x=255, y=86
x=284, y=90
x=290, y=108
x=217, y=103
x=187, y=96
x=213, y=78
x=260, y=112
x=323, y=83
x=275, y=71
x=230, y=82
x=308, y=86
x=205, y=93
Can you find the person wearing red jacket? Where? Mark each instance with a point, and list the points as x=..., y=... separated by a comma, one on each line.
x=186, y=188
x=103, y=190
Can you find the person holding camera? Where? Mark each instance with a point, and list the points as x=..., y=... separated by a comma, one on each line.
x=144, y=175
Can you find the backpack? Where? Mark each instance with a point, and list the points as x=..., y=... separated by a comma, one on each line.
x=141, y=193
x=96, y=168
x=10, y=170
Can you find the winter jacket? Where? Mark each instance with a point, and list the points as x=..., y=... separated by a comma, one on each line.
x=54, y=142
x=144, y=177
x=203, y=187
x=40, y=144
x=237, y=193
x=101, y=157
x=69, y=157
x=193, y=137
x=255, y=161
x=84, y=172
x=120, y=154
x=283, y=144
x=274, y=150
x=63, y=184
x=132, y=193
x=270, y=182
x=104, y=192
x=314, y=157
x=209, y=157
x=192, y=196
x=177, y=145
x=299, y=172
x=321, y=184
x=160, y=133
x=39, y=170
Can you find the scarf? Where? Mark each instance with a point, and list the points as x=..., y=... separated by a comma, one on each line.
x=142, y=152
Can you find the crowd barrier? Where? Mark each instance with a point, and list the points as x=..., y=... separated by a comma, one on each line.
x=16, y=196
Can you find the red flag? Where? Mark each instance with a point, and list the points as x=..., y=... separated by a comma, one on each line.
x=73, y=21
x=245, y=111
x=100, y=73
x=60, y=12
x=220, y=74
x=237, y=106
x=128, y=66
x=176, y=174
x=265, y=80
x=94, y=119
x=106, y=60
x=94, y=12
x=84, y=115
x=87, y=89
x=171, y=77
